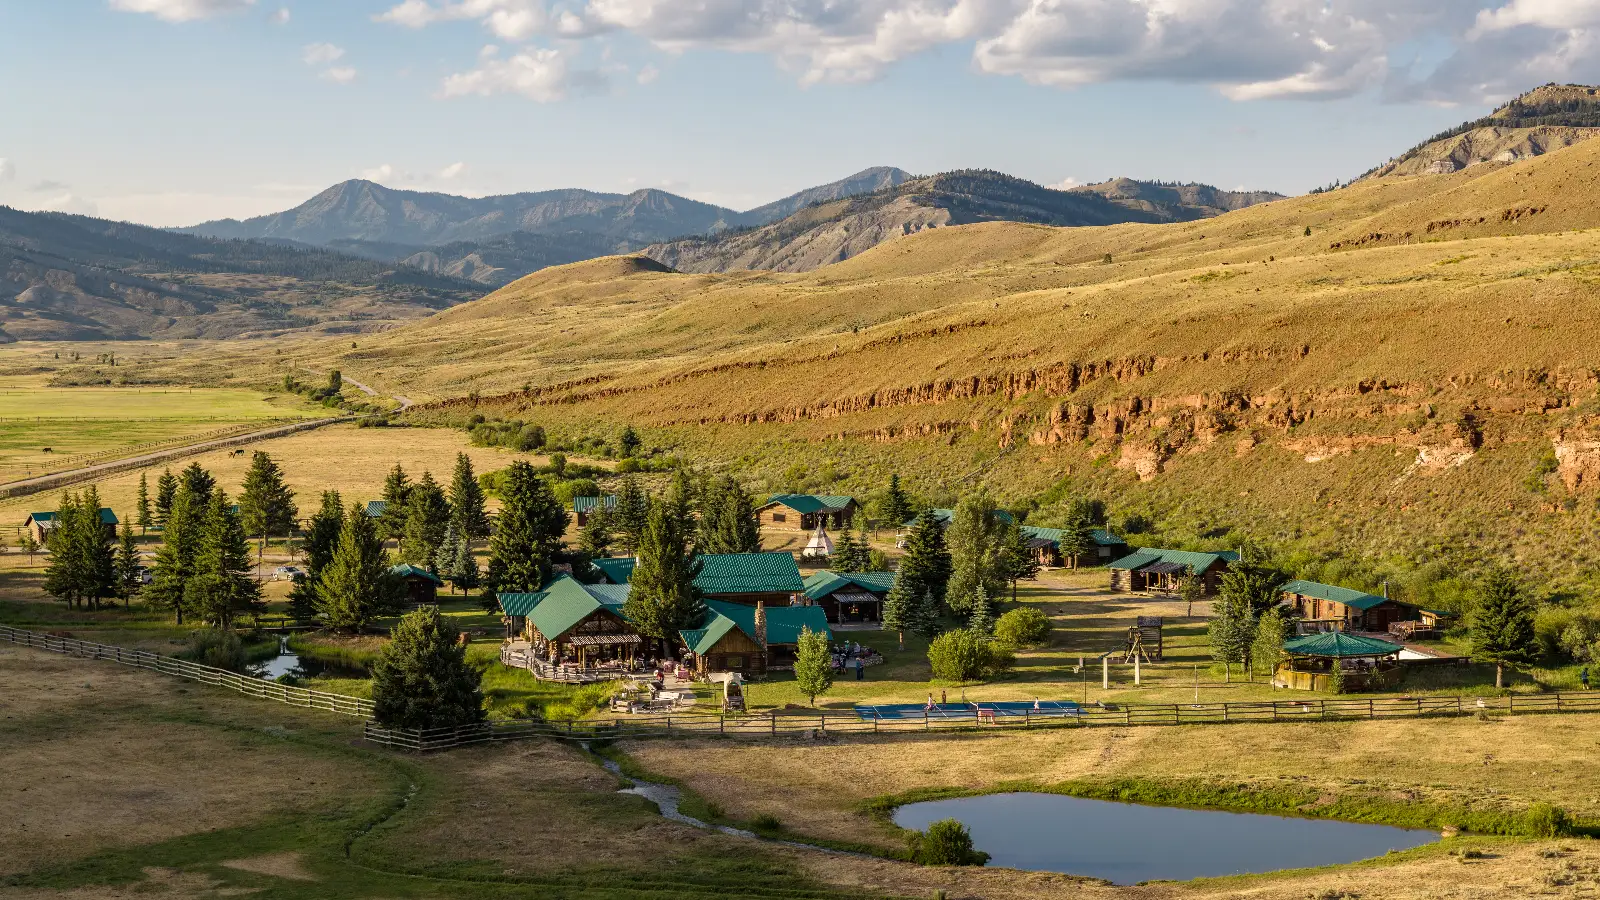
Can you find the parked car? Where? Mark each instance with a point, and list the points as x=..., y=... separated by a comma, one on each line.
x=144, y=576
x=286, y=573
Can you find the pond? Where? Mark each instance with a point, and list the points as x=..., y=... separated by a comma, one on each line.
x=1126, y=843
x=287, y=662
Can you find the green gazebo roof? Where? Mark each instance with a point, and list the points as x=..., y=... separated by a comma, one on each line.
x=1338, y=644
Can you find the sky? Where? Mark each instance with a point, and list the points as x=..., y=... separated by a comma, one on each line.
x=172, y=112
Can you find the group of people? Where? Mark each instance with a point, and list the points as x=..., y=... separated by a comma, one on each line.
x=852, y=655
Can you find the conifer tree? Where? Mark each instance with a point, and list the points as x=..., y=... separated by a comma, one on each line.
x=663, y=598
x=527, y=535
x=396, y=490
x=427, y=519
x=127, y=566
x=1231, y=632
x=266, y=505
x=728, y=521
x=141, y=505
x=629, y=443
x=82, y=562
x=595, y=538
x=1253, y=581
x=180, y=539
x=925, y=568
x=900, y=610
x=896, y=504
x=356, y=585
x=1077, y=538
x=198, y=481
x=422, y=678
x=1017, y=561
x=973, y=538
x=813, y=664
x=166, y=490
x=1501, y=623
x=322, y=536
x=631, y=513
x=221, y=587
x=29, y=545
x=1272, y=629
x=846, y=553
x=468, y=512
x=927, y=616
x=982, y=617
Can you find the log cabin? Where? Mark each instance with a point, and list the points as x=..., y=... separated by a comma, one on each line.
x=749, y=578
x=422, y=586
x=583, y=507
x=1046, y=545
x=42, y=523
x=571, y=624
x=804, y=512
x=1162, y=571
x=1327, y=607
x=850, y=597
x=750, y=640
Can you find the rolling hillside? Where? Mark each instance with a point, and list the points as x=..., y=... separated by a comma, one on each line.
x=829, y=232
x=75, y=278
x=1407, y=386
x=1544, y=119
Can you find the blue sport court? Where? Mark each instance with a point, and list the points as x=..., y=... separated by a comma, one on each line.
x=1017, y=709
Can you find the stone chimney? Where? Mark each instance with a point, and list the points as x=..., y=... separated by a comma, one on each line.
x=761, y=624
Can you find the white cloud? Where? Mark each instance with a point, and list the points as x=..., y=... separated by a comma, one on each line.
x=281, y=17
x=649, y=74
x=70, y=203
x=1553, y=14
x=542, y=75
x=452, y=171
x=321, y=54
x=338, y=74
x=511, y=20
x=1064, y=184
x=182, y=10
x=380, y=174
x=8, y=170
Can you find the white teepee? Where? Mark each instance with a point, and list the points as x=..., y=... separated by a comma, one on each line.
x=820, y=546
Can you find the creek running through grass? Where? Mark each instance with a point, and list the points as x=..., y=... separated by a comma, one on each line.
x=1128, y=843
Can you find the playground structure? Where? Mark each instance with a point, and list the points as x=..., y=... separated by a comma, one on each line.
x=1144, y=641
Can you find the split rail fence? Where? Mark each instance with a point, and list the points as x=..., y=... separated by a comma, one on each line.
x=182, y=668
x=693, y=725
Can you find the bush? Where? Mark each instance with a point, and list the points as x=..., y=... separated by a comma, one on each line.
x=1024, y=627
x=946, y=843
x=766, y=823
x=531, y=437
x=217, y=648
x=966, y=655
x=1546, y=821
x=628, y=465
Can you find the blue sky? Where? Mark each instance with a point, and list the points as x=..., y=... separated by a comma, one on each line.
x=170, y=112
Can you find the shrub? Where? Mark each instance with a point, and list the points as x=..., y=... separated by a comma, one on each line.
x=766, y=823
x=531, y=437
x=217, y=648
x=1546, y=821
x=1024, y=627
x=946, y=843
x=966, y=655
x=628, y=465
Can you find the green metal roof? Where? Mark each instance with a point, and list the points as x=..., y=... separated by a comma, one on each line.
x=811, y=503
x=1099, y=536
x=376, y=508
x=584, y=504
x=1338, y=644
x=1354, y=599
x=557, y=608
x=783, y=624
x=727, y=573
x=945, y=515
x=107, y=517
x=824, y=583
x=407, y=570
x=1149, y=556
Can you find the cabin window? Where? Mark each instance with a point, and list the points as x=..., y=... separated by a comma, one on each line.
x=779, y=517
x=733, y=662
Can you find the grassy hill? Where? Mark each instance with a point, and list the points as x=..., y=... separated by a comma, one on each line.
x=76, y=278
x=1544, y=119
x=829, y=232
x=1396, y=373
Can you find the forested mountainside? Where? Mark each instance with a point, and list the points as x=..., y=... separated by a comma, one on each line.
x=1544, y=119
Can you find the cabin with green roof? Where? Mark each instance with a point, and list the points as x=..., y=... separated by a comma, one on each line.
x=1046, y=545
x=422, y=586
x=750, y=640
x=569, y=631
x=849, y=598
x=1153, y=571
x=1327, y=607
x=584, y=507
x=804, y=512
x=41, y=523
x=771, y=578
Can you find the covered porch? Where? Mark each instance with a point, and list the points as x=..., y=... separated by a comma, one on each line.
x=1338, y=662
x=584, y=659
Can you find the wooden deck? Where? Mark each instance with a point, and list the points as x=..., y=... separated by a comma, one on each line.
x=519, y=655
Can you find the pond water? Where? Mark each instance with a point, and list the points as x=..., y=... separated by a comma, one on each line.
x=1126, y=843
x=287, y=662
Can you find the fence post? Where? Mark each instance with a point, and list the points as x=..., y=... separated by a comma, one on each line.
x=1372, y=711
x=1511, y=704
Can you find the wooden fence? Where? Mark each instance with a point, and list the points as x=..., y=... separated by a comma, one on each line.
x=691, y=724
x=182, y=668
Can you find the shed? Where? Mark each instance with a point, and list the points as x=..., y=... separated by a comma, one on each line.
x=751, y=640
x=1162, y=571
x=583, y=507
x=804, y=512
x=422, y=586
x=849, y=597
x=42, y=523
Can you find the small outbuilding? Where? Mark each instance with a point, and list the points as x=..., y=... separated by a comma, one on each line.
x=584, y=507
x=804, y=512
x=848, y=598
x=1363, y=663
x=42, y=523
x=376, y=508
x=422, y=586
x=1154, y=571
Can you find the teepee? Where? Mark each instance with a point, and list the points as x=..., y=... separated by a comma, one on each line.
x=820, y=546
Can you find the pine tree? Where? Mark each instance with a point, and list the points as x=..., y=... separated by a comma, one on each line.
x=166, y=490
x=1231, y=632
x=925, y=568
x=973, y=537
x=728, y=521
x=595, y=538
x=462, y=570
x=631, y=513
x=982, y=617
x=127, y=566
x=427, y=519
x=468, y=512
x=527, y=535
x=82, y=566
x=1077, y=538
x=1017, y=561
x=1501, y=623
x=422, y=678
x=198, y=481
x=899, y=610
x=322, y=537
x=221, y=587
x=926, y=616
x=629, y=443
x=396, y=490
x=356, y=584
x=813, y=664
x=865, y=559
x=180, y=538
x=1272, y=629
x=266, y=505
x=896, y=504
x=1253, y=581
x=142, y=505
x=663, y=598
x=846, y=553
x=29, y=545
